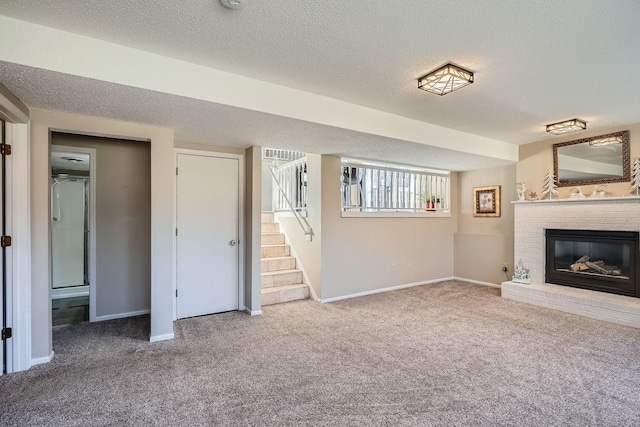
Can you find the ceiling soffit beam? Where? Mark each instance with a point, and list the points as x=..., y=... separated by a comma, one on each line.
x=50, y=49
x=12, y=110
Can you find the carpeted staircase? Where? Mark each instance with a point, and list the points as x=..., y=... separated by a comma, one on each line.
x=281, y=280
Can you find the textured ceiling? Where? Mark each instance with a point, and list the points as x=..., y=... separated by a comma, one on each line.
x=210, y=123
x=535, y=62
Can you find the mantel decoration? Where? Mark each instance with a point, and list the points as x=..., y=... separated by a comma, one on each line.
x=635, y=180
x=486, y=201
x=521, y=274
x=576, y=193
x=549, y=187
x=599, y=191
x=521, y=191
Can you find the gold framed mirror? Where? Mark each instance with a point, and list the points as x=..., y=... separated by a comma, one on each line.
x=597, y=160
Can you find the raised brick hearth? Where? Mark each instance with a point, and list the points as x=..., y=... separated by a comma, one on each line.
x=531, y=221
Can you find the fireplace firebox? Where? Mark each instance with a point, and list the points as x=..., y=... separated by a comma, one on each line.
x=605, y=261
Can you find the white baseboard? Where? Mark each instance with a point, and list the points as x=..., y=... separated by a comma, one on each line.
x=156, y=338
x=121, y=315
x=477, y=282
x=253, y=312
x=392, y=288
x=312, y=294
x=41, y=360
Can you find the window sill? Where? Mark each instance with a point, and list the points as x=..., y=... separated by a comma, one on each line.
x=356, y=214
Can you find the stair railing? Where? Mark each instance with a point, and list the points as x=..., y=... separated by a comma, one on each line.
x=302, y=221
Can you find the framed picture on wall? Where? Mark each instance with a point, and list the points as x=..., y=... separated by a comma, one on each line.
x=486, y=201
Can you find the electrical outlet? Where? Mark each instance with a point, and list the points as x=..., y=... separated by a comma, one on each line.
x=393, y=266
x=505, y=268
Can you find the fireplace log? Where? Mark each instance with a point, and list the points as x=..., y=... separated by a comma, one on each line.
x=596, y=267
x=581, y=266
x=582, y=260
x=599, y=267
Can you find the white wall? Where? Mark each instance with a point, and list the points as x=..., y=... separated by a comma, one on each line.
x=358, y=254
x=484, y=244
x=252, y=236
x=267, y=190
x=162, y=218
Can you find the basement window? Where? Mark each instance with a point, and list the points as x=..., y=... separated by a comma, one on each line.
x=372, y=189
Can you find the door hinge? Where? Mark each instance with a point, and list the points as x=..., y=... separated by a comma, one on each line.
x=5, y=241
x=6, y=333
x=5, y=149
x=176, y=293
x=176, y=171
x=176, y=231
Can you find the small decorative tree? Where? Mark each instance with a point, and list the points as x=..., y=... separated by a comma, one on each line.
x=635, y=177
x=521, y=191
x=549, y=187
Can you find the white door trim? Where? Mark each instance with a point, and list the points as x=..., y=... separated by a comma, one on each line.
x=19, y=257
x=241, y=239
x=92, y=221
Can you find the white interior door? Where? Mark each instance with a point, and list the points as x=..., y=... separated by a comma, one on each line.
x=207, y=247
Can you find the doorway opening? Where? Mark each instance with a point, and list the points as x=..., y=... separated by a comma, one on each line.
x=100, y=219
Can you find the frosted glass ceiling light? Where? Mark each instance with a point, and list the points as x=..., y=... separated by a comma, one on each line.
x=566, y=126
x=445, y=79
x=606, y=141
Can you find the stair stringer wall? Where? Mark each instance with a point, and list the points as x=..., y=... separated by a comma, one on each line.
x=308, y=254
x=299, y=264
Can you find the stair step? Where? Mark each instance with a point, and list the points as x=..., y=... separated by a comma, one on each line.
x=266, y=217
x=286, y=293
x=270, y=228
x=273, y=239
x=272, y=251
x=278, y=263
x=280, y=278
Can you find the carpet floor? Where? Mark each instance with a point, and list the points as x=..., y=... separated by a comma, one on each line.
x=449, y=354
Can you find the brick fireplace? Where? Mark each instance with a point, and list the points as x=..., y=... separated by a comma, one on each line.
x=532, y=219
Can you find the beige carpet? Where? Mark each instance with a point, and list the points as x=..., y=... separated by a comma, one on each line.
x=444, y=354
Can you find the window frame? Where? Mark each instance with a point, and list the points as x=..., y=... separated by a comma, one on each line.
x=406, y=191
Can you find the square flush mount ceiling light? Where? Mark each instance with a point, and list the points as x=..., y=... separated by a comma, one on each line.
x=445, y=79
x=566, y=126
x=606, y=141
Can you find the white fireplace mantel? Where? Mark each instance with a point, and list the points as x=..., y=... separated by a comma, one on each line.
x=597, y=200
x=532, y=218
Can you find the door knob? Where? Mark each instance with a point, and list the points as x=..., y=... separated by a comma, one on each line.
x=233, y=242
